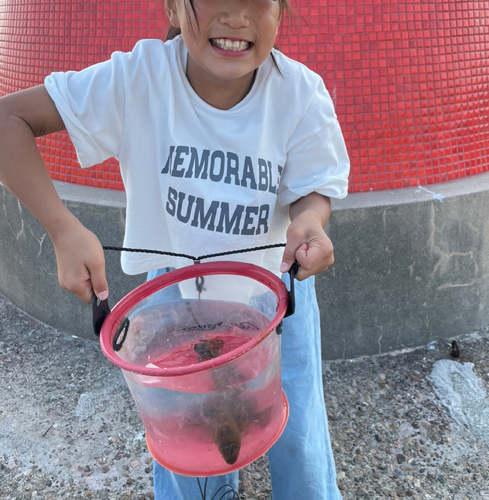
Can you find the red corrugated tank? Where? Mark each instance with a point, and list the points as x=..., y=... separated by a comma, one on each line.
x=409, y=77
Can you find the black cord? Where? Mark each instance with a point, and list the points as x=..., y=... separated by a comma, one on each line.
x=230, y=489
x=141, y=250
x=191, y=257
x=203, y=493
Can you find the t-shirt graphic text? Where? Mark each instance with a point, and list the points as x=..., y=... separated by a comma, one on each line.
x=220, y=167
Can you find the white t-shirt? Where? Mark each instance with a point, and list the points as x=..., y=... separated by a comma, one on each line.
x=201, y=180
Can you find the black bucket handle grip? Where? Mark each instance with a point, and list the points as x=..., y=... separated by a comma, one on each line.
x=100, y=310
x=291, y=305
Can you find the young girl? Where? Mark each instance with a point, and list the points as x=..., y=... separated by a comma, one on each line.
x=223, y=143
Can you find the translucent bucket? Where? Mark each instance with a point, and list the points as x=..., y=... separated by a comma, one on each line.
x=200, y=353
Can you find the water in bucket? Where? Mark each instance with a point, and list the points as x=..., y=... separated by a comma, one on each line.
x=204, y=369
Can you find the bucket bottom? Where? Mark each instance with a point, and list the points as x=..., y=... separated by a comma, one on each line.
x=206, y=459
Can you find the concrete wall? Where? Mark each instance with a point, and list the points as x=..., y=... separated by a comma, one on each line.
x=411, y=266
x=28, y=264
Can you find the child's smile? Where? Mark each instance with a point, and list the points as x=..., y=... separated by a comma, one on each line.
x=233, y=45
x=227, y=40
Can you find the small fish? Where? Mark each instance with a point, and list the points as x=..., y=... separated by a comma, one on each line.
x=227, y=429
x=208, y=349
x=455, y=351
x=228, y=415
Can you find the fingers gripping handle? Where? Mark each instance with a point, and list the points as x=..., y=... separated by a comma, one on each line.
x=100, y=309
x=291, y=305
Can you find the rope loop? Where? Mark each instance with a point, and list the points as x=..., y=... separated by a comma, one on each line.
x=191, y=257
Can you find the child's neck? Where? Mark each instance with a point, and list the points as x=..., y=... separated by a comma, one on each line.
x=220, y=94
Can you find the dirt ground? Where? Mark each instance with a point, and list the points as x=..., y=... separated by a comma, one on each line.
x=69, y=428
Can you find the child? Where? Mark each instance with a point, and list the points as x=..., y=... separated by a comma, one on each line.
x=224, y=143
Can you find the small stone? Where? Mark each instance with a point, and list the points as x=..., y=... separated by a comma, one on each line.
x=105, y=469
x=400, y=458
x=40, y=486
x=361, y=492
x=135, y=464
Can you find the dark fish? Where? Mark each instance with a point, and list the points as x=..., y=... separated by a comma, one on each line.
x=225, y=426
x=227, y=429
x=208, y=349
x=455, y=351
x=227, y=414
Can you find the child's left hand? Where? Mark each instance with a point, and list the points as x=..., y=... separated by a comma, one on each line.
x=307, y=243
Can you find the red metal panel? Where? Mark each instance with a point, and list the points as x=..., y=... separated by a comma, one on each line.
x=408, y=77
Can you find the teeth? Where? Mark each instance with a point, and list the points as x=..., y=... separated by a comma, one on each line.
x=226, y=44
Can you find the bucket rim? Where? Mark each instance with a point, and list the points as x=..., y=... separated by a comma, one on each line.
x=233, y=268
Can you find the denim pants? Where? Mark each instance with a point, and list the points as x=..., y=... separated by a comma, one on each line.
x=301, y=461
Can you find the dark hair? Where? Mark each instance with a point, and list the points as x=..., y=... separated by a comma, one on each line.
x=174, y=32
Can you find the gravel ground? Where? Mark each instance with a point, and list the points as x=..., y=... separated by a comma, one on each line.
x=69, y=429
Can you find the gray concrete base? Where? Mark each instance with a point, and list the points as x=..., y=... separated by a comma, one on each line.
x=28, y=275
x=411, y=265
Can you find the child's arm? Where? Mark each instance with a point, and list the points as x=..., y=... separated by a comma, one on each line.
x=23, y=116
x=306, y=240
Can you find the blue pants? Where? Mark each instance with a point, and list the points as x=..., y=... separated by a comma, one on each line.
x=301, y=461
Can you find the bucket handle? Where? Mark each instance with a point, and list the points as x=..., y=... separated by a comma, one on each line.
x=100, y=309
x=291, y=305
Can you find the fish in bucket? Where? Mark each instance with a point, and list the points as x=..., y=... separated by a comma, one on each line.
x=199, y=348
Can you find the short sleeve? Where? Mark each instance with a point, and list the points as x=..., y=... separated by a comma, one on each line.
x=317, y=159
x=91, y=104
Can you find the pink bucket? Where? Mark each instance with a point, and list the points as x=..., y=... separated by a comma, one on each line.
x=203, y=363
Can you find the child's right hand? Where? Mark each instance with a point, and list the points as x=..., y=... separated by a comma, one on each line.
x=32, y=113
x=81, y=262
